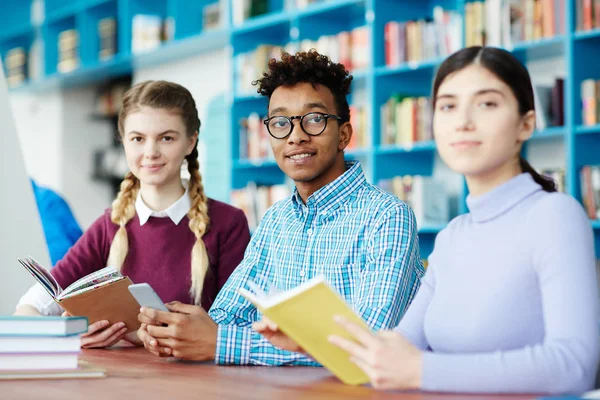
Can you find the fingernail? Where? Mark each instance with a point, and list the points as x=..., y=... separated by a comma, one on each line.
x=104, y=323
x=167, y=350
x=121, y=325
x=152, y=342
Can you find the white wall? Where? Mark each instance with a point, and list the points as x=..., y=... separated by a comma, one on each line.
x=38, y=119
x=205, y=76
x=81, y=137
x=20, y=231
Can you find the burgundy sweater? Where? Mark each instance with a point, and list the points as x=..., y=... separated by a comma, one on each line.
x=160, y=252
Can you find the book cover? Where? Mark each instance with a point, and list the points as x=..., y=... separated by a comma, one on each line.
x=305, y=314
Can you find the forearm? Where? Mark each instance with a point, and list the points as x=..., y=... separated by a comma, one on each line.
x=27, y=310
x=240, y=345
x=557, y=368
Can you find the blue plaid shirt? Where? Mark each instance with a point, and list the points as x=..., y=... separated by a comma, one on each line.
x=360, y=238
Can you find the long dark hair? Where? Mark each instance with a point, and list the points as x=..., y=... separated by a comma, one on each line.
x=510, y=71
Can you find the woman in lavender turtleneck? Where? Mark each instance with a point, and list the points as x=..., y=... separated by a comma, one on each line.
x=509, y=302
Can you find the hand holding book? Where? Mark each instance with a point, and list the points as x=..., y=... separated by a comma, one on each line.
x=100, y=296
x=271, y=332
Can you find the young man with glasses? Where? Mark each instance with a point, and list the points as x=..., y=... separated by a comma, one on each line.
x=362, y=239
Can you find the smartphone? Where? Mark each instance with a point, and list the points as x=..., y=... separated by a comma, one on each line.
x=147, y=297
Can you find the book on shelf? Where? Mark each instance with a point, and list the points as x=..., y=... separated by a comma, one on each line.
x=505, y=23
x=245, y=9
x=254, y=138
x=68, y=50
x=146, y=33
x=15, y=64
x=405, y=120
x=360, y=137
x=350, y=48
x=255, y=200
x=101, y=295
x=424, y=39
x=306, y=314
x=426, y=196
x=587, y=14
x=590, y=102
x=549, y=104
x=589, y=177
x=107, y=34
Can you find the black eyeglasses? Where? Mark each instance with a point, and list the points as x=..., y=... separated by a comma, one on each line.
x=312, y=123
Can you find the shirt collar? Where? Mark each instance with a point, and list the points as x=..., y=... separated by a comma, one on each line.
x=334, y=194
x=176, y=211
x=502, y=198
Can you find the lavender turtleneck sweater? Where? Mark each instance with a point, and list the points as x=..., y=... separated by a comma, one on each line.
x=509, y=302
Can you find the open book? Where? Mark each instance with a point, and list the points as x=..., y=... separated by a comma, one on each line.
x=101, y=295
x=305, y=314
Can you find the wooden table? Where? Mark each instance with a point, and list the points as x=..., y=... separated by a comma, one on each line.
x=132, y=373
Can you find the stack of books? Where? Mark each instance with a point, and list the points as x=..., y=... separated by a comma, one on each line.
x=43, y=348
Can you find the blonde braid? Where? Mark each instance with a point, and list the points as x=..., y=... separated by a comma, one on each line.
x=123, y=210
x=199, y=221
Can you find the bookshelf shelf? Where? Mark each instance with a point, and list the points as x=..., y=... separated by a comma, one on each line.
x=250, y=97
x=408, y=67
x=16, y=31
x=586, y=130
x=356, y=153
x=177, y=49
x=595, y=33
x=553, y=132
x=343, y=9
x=254, y=164
x=541, y=49
x=264, y=22
x=428, y=146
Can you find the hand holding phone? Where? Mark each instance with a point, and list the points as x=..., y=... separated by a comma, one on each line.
x=147, y=297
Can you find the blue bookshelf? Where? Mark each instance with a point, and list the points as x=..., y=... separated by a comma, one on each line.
x=381, y=81
x=189, y=37
x=281, y=26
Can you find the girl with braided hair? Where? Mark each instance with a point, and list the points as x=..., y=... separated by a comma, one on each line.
x=160, y=229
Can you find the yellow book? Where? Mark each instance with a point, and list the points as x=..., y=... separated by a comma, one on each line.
x=305, y=314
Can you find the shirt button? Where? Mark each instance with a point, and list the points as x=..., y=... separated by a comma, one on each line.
x=309, y=231
x=302, y=273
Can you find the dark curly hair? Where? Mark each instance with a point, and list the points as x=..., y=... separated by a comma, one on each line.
x=308, y=67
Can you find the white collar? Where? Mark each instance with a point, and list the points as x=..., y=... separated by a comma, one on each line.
x=176, y=211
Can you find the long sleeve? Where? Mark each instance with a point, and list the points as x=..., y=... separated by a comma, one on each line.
x=237, y=343
x=393, y=270
x=87, y=255
x=412, y=324
x=566, y=361
x=233, y=247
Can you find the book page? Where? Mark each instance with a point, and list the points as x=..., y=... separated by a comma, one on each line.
x=101, y=277
x=41, y=275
